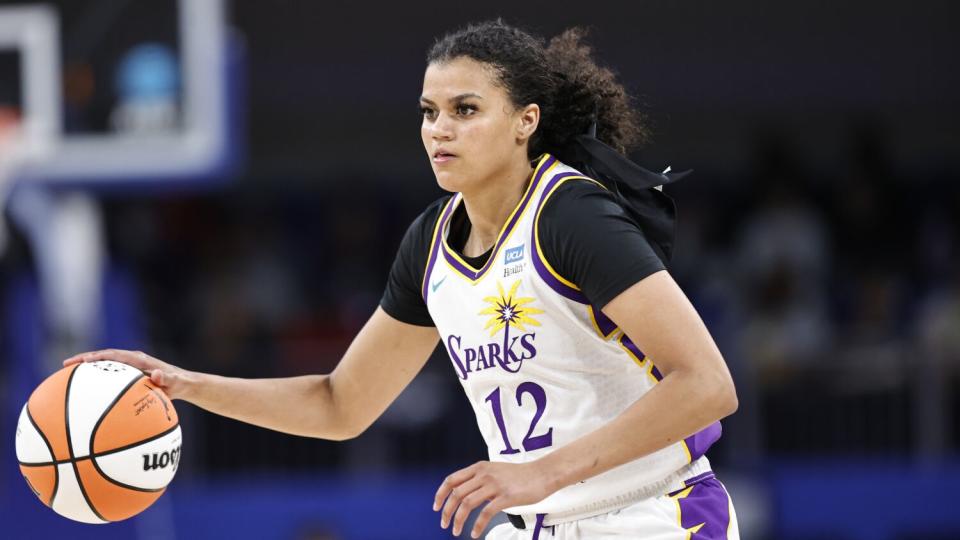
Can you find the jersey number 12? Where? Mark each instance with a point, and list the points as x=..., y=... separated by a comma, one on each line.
x=530, y=441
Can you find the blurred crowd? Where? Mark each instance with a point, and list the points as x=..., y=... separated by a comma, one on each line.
x=835, y=300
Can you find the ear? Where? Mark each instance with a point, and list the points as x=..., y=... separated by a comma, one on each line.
x=528, y=118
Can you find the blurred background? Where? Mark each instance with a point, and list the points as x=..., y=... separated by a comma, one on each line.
x=224, y=185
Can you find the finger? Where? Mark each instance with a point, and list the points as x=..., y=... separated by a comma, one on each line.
x=485, y=515
x=456, y=498
x=81, y=357
x=160, y=378
x=91, y=356
x=472, y=500
x=135, y=359
x=450, y=482
x=72, y=360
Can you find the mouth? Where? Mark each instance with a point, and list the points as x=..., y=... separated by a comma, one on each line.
x=442, y=156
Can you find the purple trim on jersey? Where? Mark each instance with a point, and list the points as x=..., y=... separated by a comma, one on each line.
x=707, y=504
x=476, y=274
x=603, y=322
x=625, y=340
x=656, y=373
x=558, y=286
x=435, y=247
x=699, y=442
x=629, y=345
x=464, y=269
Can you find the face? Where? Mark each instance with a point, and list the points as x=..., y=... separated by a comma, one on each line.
x=471, y=130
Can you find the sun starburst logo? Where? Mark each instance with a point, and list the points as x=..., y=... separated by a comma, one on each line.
x=508, y=310
x=505, y=311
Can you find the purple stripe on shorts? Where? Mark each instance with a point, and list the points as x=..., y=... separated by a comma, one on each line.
x=538, y=527
x=700, y=477
x=558, y=286
x=475, y=274
x=435, y=247
x=699, y=442
x=707, y=504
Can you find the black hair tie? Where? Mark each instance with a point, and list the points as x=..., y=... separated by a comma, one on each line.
x=635, y=187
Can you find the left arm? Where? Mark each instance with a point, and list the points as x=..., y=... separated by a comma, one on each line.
x=696, y=390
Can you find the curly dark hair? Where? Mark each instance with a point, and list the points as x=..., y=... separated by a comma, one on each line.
x=561, y=77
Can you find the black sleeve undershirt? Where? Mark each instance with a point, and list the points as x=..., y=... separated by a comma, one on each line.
x=585, y=235
x=590, y=240
x=402, y=299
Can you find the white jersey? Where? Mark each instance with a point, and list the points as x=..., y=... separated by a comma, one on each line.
x=540, y=365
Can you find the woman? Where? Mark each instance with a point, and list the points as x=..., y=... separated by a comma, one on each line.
x=542, y=284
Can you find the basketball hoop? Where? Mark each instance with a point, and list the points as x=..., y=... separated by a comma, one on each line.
x=12, y=155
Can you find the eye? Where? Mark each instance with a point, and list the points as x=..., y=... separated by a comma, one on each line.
x=464, y=109
x=427, y=112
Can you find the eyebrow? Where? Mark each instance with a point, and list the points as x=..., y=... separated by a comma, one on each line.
x=455, y=99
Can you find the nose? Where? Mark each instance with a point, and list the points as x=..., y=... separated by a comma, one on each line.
x=442, y=128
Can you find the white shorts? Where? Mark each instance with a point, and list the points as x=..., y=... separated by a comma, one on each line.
x=701, y=511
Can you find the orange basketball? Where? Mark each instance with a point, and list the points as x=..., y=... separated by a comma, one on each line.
x=98, y=442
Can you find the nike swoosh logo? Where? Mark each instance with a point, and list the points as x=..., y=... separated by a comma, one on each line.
x=437, y=285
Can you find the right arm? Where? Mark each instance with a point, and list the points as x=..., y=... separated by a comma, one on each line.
x=380, y=362
x=383, y=358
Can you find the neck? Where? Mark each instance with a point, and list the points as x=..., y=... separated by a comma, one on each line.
x=489, y=206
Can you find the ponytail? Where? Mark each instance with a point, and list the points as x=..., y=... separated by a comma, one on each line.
x=586, y=118
x=585, y=94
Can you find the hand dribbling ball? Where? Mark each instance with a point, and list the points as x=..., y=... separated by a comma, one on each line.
x=98, y=442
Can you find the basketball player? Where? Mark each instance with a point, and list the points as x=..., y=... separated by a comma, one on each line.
x=595, y=384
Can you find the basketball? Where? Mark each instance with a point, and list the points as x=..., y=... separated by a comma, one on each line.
x=98, y=442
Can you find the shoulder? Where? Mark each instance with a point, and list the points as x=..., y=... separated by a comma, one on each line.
x=577, y=198
x=566, y=184
x=588, y=238
x=402, y=297
x=431, y=213
x=579, y=186
x=421, y=229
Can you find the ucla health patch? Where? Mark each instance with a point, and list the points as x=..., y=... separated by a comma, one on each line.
x=513, y=255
